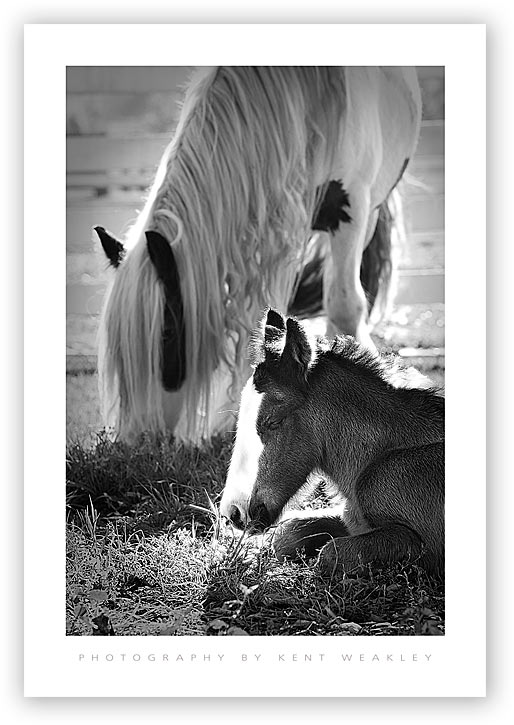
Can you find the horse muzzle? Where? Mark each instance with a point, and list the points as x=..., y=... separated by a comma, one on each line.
x=259, y=518
x=252, y=516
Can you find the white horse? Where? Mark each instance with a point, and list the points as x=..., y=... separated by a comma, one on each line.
x=275, y=176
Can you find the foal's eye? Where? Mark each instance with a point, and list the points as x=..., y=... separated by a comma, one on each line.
x=275, y=423
x=267, y=426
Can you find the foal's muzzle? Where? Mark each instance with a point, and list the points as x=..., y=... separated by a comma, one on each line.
x=259, y=517
x=236, y=517
x=254, y=519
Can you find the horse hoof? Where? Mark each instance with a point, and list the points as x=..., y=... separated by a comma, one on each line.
x=328, y=561
x=285, y=543
x=332, y=565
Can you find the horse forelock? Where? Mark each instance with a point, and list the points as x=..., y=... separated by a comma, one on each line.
x=130, y=348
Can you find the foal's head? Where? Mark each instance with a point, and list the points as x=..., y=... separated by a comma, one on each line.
x=173, y=361
x=275, y=448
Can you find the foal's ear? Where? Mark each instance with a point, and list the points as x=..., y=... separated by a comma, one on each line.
x=266, y=341
x=159, y=251
x=114, y=250
x=274, y=329
x=297, y=355
x=275, y=319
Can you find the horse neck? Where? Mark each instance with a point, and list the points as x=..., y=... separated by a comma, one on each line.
x=362, y=417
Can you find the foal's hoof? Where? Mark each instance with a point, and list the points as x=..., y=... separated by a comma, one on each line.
x=302, y=538
x=328, y=561
x=332, y=563
x=286, y=542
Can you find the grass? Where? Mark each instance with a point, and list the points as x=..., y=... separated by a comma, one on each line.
x=178, y=583
x=147, y=555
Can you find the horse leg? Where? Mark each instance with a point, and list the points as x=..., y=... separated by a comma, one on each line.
x=308, y=534
x=383, y=546
x=399, y=499
x=344, y=299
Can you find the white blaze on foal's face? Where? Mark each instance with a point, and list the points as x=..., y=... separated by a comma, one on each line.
x=244, y=463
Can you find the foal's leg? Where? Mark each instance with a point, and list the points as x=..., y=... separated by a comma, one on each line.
x=307, y=534
x=344, y=299
x=383, y=546
x=400, y=497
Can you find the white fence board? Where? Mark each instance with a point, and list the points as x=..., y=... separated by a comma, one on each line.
x=104, y=154
x=126, y=79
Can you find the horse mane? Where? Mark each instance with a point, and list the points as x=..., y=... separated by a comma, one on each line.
x=235, y=195
x=389, y=368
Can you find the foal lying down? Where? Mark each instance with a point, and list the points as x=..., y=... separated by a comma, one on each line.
x=331, y=406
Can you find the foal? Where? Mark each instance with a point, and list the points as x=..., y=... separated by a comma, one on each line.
x=332, y=406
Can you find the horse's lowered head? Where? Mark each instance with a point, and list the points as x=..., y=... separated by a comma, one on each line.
x=271, y=462
x=173, y=363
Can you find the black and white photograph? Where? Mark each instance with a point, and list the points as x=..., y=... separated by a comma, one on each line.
x=257, y=289
x=255, y=350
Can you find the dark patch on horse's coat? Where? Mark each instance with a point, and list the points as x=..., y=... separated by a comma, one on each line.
x=332, y=210
x=114, y=249
x=173, y=355
x=376, y=264
x=375, y=271
x=398, y=179
x=404, y=166
x=308, y=296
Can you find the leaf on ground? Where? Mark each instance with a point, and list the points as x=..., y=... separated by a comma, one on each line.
x=248, y=590
x=102, y=626
x=394, y=587
x=217, y=624
x=351, y=627
x=431, y=628
x=232, y=604
x=97, y=595
x=177, y=619
x=79, y=611
x=376, y=618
